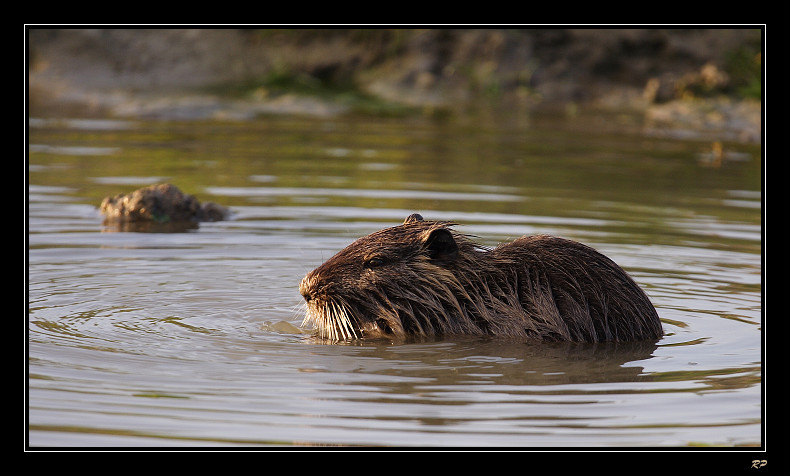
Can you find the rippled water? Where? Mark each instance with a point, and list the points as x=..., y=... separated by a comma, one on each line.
x=149, y=339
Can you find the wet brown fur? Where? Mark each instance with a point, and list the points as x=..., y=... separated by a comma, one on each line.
x=424, y=279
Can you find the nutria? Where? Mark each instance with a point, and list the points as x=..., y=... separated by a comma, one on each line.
x=158, y=204
x=423, y=279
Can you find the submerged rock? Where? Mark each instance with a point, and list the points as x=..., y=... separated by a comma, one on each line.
x=161, y=207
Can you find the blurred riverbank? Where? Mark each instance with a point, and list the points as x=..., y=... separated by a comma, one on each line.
x=700, y=79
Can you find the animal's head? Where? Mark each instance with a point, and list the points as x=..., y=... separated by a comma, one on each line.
x=386, y=284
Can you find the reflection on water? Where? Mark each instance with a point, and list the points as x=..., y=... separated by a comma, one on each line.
x=192, y=338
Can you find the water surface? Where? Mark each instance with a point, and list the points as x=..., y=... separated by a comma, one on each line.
x=188, y=339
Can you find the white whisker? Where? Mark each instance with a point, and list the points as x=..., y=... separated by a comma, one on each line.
x=339, y=322
x=333, y=323
x=347, y=323
x=331, y=320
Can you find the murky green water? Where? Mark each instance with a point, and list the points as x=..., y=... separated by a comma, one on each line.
x=147, y=339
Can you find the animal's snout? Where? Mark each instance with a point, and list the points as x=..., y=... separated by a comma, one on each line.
x=305, y=290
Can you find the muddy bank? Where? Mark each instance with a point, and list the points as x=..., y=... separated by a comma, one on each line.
x=240, y=73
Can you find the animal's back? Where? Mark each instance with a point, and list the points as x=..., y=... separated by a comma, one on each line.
x=576, y=293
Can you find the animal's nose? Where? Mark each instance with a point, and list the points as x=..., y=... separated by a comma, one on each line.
x=304, y=290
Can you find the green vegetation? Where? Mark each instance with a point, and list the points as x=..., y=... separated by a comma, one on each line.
x=338, y=91
x=744, y=66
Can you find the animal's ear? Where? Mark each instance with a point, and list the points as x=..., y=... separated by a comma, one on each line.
x=414, y=217
x=441, y=245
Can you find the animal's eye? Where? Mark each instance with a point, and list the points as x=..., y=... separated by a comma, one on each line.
x=374, y=262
